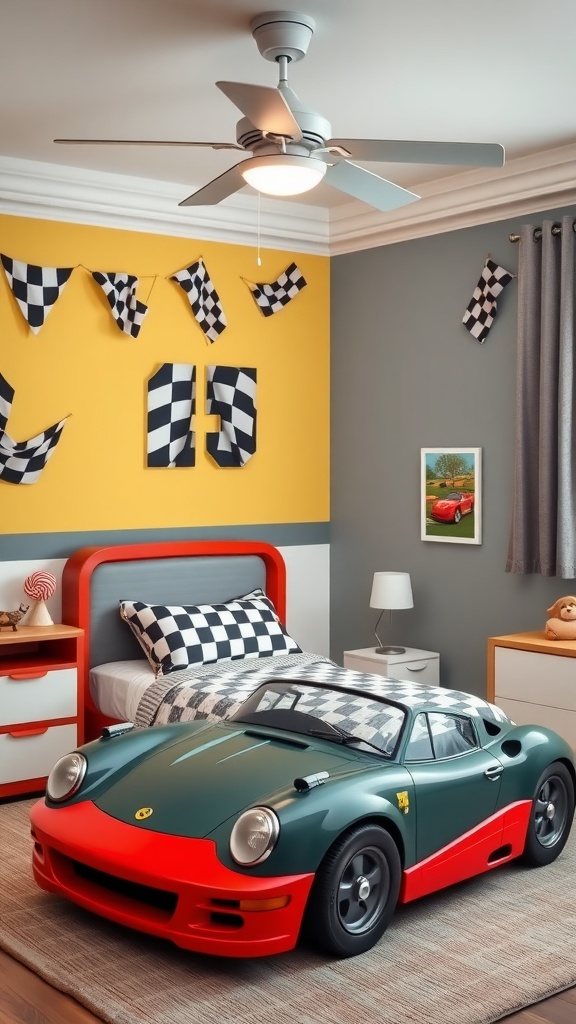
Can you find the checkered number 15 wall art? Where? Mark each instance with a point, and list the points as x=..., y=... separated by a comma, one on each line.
x=230, y=394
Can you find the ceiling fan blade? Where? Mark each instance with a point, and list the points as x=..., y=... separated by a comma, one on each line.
x=144, y=142
x=370, y=188
x=265, y=108
x=217, y=189
x=475, y=154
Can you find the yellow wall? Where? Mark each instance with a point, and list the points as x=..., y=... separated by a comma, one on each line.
x=81, y=363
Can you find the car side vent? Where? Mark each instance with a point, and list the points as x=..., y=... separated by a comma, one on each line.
x=310, y=781
x=511, y=748
x=492, y=727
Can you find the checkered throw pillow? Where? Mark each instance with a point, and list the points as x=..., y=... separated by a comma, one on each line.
x=174, y=637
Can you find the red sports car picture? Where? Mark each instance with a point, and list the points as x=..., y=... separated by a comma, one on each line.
x=452, y=507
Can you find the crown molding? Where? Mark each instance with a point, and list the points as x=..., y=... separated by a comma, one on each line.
x=541, y=181
x=75, y=195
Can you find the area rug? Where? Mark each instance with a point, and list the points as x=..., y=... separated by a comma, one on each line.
x=469, y=955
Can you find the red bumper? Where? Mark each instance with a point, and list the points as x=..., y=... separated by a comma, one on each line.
x=168, y=886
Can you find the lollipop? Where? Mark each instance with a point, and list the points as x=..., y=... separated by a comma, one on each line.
x=40, y=586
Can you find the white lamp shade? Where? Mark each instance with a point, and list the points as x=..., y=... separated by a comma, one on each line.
x=391, y=590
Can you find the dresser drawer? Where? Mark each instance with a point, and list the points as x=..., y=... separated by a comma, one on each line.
x=535, y=678
x=522, y=713
x=32, y=757
x=38, y=697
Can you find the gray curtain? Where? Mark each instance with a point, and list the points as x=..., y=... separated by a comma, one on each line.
x=543, y=529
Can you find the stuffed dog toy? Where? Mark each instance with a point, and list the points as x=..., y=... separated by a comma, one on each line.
x=562, y=622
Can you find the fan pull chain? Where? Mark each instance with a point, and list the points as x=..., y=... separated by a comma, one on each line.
x=258, y=260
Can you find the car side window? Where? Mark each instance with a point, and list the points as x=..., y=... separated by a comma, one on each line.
x=451, y=734
x=437, y=735
x=420, y=744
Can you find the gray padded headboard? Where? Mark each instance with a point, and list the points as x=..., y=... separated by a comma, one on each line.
x=161, y=581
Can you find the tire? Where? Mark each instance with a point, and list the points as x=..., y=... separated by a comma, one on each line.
x=457, y=515
x=355, y=892
x=551, y=816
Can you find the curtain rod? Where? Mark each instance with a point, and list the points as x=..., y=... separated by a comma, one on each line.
x=537, y=234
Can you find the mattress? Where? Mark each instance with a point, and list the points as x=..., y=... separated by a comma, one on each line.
x=117, y=687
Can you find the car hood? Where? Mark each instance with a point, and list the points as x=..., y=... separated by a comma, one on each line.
x=192, y=786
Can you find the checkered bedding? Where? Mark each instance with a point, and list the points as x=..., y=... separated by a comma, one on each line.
x=216, y=692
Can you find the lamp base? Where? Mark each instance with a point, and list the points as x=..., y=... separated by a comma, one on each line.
x=390, y=650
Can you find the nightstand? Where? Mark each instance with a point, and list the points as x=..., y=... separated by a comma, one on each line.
x=419, y=666
x=41, y=704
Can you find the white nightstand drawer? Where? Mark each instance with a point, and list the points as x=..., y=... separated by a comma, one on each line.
x=417, y=666
x=32, y=756
x=33, y=696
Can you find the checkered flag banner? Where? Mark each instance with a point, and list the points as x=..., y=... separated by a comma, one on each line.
x=22, y=462
x=481, y=310
x=231, y=394
x=171, y=406
x=204, y=299
x=120, y=290
x=271, y=298
x=36, y=289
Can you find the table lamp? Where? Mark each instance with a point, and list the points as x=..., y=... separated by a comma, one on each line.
x=390, y=590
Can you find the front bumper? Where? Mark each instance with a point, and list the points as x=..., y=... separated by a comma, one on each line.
x=169, y=886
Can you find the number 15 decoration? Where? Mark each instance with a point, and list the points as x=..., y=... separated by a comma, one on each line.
x=230, y=394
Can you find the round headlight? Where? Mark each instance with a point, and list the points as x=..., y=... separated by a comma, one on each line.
x=66, y=776
x=254, y=836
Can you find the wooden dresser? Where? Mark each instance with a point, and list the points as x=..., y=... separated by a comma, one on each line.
x=534, y=680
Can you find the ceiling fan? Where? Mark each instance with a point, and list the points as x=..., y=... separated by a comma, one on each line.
x=292, y=146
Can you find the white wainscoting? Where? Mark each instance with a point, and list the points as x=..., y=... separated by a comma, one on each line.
x=308, y=591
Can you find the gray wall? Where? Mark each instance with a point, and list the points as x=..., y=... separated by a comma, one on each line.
x=406, y=374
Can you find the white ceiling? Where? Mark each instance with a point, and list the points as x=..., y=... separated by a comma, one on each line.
x=489, y=71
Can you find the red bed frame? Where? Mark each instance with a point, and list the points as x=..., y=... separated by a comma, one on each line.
x=76, y=593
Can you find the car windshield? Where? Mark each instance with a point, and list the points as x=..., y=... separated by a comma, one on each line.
x=338, y=715
x=454, y=496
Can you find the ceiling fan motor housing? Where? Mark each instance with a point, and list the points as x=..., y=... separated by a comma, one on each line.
x=282, y=34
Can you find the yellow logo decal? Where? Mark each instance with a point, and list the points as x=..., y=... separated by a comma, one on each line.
x=144, y=812
x=403, y=801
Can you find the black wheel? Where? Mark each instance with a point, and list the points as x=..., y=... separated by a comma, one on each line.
x=551, y=816
x=355, y=892
x=457, y=515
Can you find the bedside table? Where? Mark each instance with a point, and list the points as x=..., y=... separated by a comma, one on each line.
x=41, y=703
x=418, y=666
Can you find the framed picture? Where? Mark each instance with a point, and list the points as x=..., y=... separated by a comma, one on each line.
x=451, y=492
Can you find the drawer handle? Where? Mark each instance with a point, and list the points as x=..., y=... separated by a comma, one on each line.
x=27, y=675
x=28, y=732
x=419, y=667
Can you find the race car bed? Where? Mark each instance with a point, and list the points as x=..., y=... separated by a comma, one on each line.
x=177, y=630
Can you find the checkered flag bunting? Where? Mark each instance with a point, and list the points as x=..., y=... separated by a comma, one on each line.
x=231, y=394
x=171, y=406
x=203, y=298
x=120, y=290
x=36, y=289
x=271, y=298
x=22, y=462
x=482, y=308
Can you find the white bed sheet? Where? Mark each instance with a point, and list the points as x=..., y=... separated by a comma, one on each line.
x=117, y=686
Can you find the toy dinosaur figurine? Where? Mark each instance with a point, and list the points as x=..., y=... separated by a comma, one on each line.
x=10, y=620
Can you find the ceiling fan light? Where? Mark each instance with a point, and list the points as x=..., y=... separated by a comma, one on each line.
x=283, y=175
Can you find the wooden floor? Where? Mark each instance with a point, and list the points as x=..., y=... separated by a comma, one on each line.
x=26, y=999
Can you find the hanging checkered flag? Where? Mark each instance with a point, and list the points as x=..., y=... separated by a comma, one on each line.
x=204, y=299
x=120, y=290
x=171, y=406
x=22, y=462
x=36, y=289
x=231, y=394
x=479, y=315
x=273, y=297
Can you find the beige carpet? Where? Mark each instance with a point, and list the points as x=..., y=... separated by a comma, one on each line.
x=469, y=955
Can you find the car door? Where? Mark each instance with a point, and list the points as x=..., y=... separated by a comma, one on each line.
x=456, y=782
